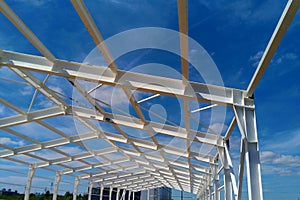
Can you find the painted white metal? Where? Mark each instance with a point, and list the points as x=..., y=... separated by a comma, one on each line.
x=246, y=121
x=129, y=195
x=216, y=182
x=151, y=170
x=142, y=82
x=118, y=194
x=279, y=32
x=56, y=185
x=31, y=172
x=101, y=192
x=76, y=183
x=91, y=185
x=110, y=192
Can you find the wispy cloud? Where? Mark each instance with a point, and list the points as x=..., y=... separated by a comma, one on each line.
x=285, y=142
x=285, y=57
x=9, y=141
x=254, y=59
x=280, y=164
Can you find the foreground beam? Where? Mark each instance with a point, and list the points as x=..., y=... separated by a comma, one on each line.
x=31, y=172
x=279, y=32
x=134, y=81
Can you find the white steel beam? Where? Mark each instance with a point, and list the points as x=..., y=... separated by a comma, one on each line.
x=31, y=172
x=110, y=192
x=101, y=192
x=91, y=185
x=134, y=81
x=118, y=194
x=246, y=121
x=32, y=116
x=90, y=25
x=19, y=24
x=76, y=183
x=279, y=32
x=56, y=184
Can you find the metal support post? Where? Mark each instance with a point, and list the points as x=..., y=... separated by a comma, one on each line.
x=56, y=184
x=216, y=183
x=210, y=192
x=133, y=195
x=124, y=194
x=246, y=121
x=101, y=192
x=77, y=180
x=31, y=172
x=91, y=185
x=118, y=193
x=227, y=178
x=148, y=195
x=110, y=192
x=129, y=195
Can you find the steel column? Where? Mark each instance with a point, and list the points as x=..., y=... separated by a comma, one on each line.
x=118, y=194
x=56, y=184
x=77, y=180
x=216, y=183
x=91, y=185
x=101, y=192
x=133, y=195
x=246, y=121
x=210, y=192
x=129, y=195
x=110, y=192
x=31, y=172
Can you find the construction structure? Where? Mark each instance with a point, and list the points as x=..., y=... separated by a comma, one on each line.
x=141, y=164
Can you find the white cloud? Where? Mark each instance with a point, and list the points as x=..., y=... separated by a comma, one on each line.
x=8, y=141
x=283, y=165
x=285, y=142
x=27, y=90
x=286, y=57
x=256, y=58
x=271, y=157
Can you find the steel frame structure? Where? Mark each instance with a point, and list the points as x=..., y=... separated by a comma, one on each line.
x=149, y=170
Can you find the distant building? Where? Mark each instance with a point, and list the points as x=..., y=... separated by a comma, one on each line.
x=162, y=193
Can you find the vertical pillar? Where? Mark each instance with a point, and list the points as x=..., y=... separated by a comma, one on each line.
x=118, y=194
x=210, y=192
x=133, y=195
x=56, y=184
x=217, y=182
x=227, y=178
x=246, y=121
x=77, y=180
x=31, y=172
x=91, y=185
x=148, y=195
x=110, y=192
x=129, y=195
x=101, y=192
x=124, y=194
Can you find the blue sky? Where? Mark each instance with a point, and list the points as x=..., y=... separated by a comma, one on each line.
x=234, y=33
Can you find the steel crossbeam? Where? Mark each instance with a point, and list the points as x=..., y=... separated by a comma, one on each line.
x=144, y=163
